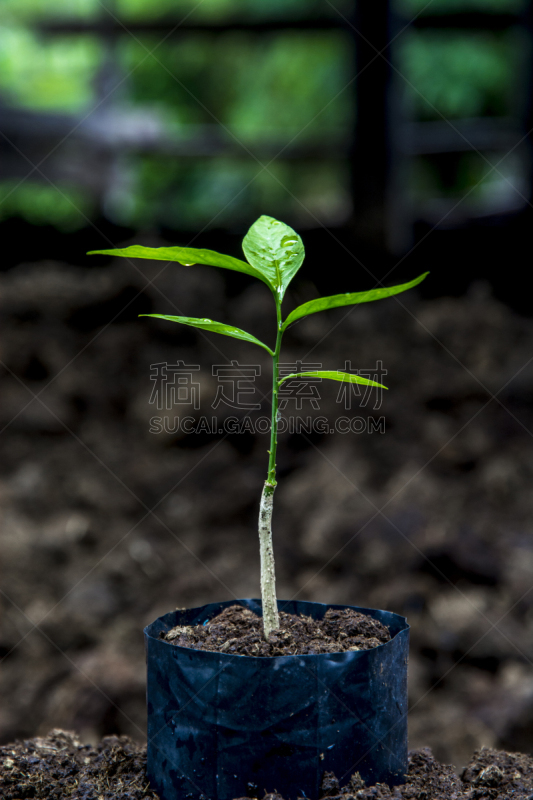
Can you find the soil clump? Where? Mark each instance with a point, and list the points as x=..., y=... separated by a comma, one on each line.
x=238, y=631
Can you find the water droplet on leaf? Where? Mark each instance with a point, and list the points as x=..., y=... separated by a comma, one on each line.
x=288, y=241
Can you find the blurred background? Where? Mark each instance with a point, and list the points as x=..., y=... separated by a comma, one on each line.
x=396, y=138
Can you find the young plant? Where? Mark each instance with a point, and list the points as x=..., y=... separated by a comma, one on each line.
x=274, y=254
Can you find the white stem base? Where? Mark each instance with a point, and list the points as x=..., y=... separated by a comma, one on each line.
x=268, y=577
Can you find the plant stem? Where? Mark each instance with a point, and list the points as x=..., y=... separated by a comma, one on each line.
x=268, y=575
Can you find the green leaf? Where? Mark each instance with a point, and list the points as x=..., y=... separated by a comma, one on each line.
x=348, y=299
x=188, y=256
x=275, y=250
x=211, y=325
x=333, y=376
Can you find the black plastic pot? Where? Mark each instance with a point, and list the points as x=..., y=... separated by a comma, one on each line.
x=225, y=726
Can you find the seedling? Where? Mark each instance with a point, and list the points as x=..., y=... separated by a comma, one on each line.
x=274, y=254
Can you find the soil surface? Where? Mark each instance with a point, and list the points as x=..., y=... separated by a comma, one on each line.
x=59, y=766
x=239, y=631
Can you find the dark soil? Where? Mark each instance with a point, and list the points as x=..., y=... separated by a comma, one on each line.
x=59, y=766
x=105, y=526
x=239, y=631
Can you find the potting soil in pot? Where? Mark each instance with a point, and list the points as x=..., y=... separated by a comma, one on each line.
x=239, y=631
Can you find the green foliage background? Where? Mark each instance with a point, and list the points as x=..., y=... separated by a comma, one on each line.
x=251, y=91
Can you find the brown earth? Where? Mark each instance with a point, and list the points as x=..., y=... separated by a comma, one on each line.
x=239, y=631
x=105, y=526
x=58, y=766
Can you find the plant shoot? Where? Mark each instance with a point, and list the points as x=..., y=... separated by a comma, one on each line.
x=274, y=254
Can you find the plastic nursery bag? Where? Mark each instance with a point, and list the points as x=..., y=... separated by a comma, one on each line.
x=227, y=726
